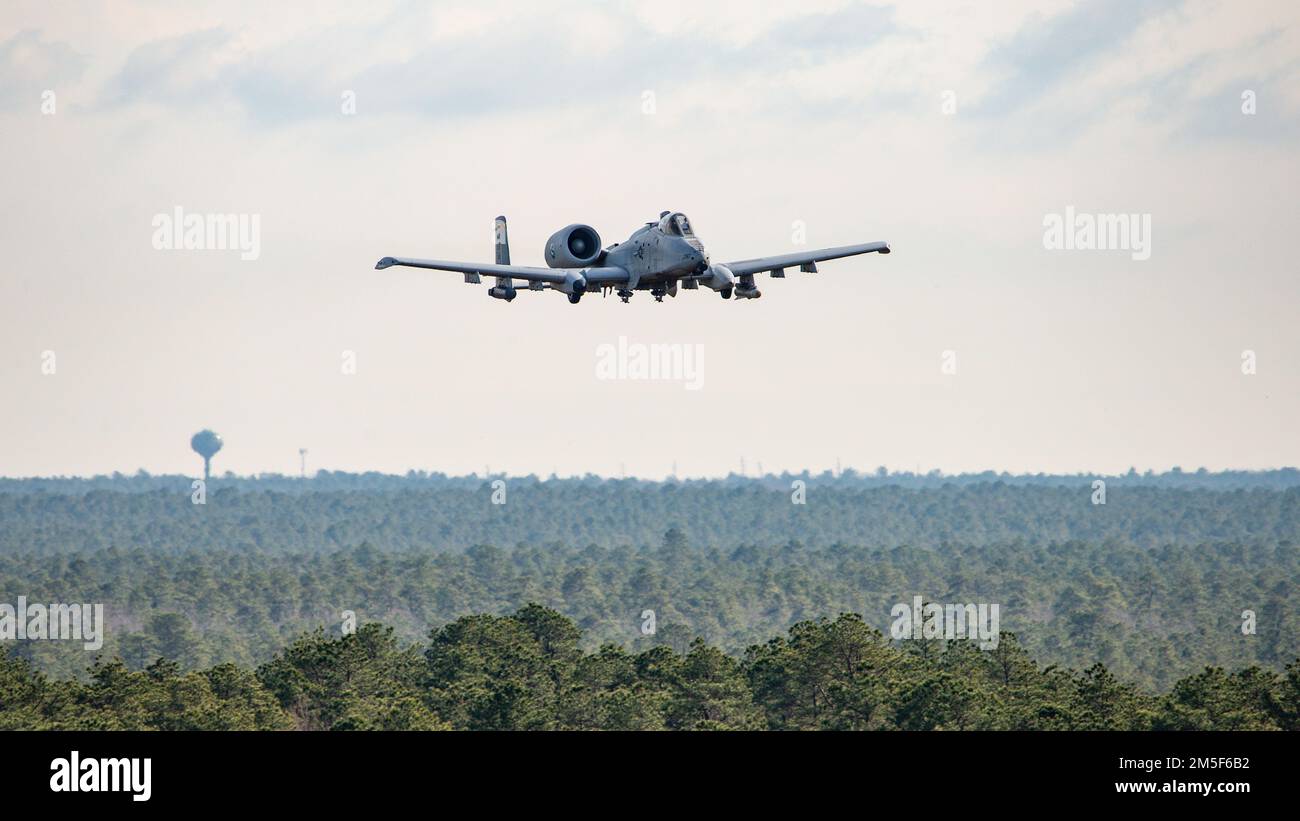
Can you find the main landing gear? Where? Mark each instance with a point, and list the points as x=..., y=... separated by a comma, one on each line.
x=573, y=298
x=726, y=293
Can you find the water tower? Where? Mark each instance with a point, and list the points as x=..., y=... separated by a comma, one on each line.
x=206, y=444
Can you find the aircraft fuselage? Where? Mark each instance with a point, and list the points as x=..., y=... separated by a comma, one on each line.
x=653, y=257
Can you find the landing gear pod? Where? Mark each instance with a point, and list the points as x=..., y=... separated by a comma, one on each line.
x=720, y=279
x=746, y=289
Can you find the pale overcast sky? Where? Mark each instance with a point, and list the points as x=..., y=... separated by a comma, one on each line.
x=952, y=130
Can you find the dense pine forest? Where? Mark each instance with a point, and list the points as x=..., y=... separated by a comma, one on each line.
x=239, y=602
x=527, y=671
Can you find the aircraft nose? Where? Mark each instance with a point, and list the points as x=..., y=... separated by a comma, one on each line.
x=696, y=258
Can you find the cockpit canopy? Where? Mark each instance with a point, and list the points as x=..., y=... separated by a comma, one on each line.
x=677, y=225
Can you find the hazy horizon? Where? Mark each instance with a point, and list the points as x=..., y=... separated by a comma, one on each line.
x=751, y=472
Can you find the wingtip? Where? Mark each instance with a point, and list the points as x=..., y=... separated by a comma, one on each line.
x=885, y=250
x=386, y=262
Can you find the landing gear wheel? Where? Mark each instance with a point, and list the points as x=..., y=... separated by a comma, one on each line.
x=573, y=298
x=726, y=293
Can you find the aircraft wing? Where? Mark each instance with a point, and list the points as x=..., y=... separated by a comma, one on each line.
x=486, y=268
x=594, y=276
x=761, y=264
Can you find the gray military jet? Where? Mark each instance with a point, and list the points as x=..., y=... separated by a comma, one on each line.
x=656, y=258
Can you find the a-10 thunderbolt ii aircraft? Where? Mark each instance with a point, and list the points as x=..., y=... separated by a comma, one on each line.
x=658, y=257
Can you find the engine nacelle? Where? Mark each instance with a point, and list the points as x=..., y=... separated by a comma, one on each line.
x=573, y=246
x=720, y=278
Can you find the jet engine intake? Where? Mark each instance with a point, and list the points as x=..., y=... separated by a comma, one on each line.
x=573, y=246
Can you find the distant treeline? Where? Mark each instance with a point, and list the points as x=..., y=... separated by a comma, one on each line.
x=528, y=671
x=456, y=515
x=144, y=482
